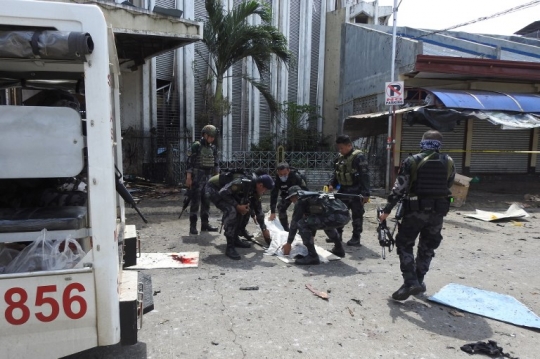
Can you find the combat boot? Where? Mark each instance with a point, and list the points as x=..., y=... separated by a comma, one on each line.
x=338, y=248
x=354, y=241
x=230, y=251
x=206, y=227
x=244, y=233
x=311, y=258
x=240, y=243
x=410, y=287
x=422, y=283
x=193, y=224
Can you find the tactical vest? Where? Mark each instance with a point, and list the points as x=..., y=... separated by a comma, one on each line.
x=344, y=169
x=429, y=175
x=205, y=157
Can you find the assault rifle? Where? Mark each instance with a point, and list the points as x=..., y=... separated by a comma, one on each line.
x=187, y=201
x=385, y=236
x=124, y=193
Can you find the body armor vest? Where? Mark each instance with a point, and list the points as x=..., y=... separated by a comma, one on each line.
x=205, y=158
x=429, y=175
x=344, y=169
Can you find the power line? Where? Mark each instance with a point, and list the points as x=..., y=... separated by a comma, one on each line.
x=483, y=18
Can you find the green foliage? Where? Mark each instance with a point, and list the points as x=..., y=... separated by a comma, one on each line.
x=230, y=38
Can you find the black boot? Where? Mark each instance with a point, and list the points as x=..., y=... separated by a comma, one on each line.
x=206, y=227
x=244, y=233
x=230, y=251
x=338, y=248
x=422, y=283
x=311, y=258
x=240, y=243
x=354, y=241
x=193, y=224
x=409, y=287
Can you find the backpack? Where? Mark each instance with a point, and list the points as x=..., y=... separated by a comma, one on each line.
x=326, y=211
x=229, y=174
x=302, y=175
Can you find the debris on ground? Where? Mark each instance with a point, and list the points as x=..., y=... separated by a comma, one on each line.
x=490, y=348
x=249, y=288
x=514, y=211
x=319, y=294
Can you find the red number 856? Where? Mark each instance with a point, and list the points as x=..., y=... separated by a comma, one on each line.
x=41, y=299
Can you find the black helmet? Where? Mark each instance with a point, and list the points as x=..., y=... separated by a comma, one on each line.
x=293, y=191
x=210, y=130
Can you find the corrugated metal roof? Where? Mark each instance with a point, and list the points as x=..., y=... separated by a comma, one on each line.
x=488, y=100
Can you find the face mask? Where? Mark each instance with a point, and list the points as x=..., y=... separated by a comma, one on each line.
x=283, y=178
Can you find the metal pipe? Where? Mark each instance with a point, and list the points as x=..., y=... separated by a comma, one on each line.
x=389, y=140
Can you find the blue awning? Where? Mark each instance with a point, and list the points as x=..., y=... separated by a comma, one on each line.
x=488, y=100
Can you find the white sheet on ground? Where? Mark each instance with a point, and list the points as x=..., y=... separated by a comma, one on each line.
x=514, y=211
x=279, y=238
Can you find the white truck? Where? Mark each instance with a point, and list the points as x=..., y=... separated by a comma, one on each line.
x=71, y=48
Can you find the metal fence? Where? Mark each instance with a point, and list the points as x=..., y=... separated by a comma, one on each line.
x=160, y=157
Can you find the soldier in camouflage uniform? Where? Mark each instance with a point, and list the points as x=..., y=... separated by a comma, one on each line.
x=352, y=176
x=285, y=179
x=202, y=163
x=236, y=197
x=312, y=211
x=424, y=180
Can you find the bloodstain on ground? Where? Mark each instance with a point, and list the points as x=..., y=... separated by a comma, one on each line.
x=184, y=260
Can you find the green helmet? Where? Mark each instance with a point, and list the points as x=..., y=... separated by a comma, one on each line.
x=210, y=130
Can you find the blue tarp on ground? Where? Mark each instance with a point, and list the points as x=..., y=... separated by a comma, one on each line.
x=488, y=304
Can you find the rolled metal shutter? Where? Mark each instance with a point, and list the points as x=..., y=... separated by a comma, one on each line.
x=487, y=138
x=453, y=142
x=165, y=62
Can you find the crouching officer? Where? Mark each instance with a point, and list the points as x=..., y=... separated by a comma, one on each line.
x=202, y=163
x=236, y=197
x=425, y=180
x=285, y=179
x=313, y=211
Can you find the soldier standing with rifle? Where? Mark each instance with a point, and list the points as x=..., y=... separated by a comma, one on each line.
x=202, y=163
x=426, y=178
x=352, y=176
x=236, y=197
x=285, y=179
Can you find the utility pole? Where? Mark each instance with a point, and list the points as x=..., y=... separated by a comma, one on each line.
x=390, y=140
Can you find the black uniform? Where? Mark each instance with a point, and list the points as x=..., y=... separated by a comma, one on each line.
x=203, y=163
x=319, y=211
x=281, y=188
x=352, y=176
x=425, y=180
x=226, y=196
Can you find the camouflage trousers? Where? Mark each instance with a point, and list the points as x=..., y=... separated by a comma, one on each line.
x=231, y=217
x=308, y=226
x=357, y=213
x=426, y=224
x=198, y=198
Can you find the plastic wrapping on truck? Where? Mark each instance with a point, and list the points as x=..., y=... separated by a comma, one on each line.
x=60, y=45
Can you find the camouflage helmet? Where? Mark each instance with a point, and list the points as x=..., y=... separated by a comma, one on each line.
x=210, y=130
x=293, y=191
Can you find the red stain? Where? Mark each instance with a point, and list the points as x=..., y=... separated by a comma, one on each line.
x=182, y=259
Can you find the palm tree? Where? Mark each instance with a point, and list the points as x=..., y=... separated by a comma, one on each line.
x=229, y=38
